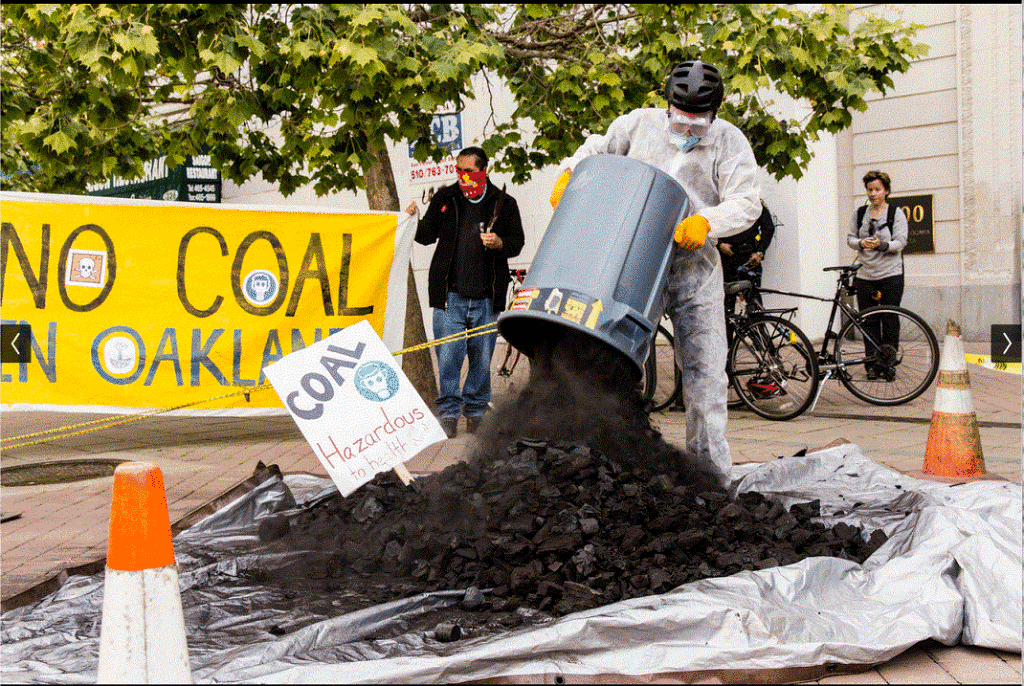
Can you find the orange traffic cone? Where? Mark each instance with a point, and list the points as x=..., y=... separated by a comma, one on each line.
x=142, y=634
x=954, y=444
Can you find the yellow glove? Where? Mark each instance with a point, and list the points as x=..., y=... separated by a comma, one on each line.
x=556, y=193
x=692, y=231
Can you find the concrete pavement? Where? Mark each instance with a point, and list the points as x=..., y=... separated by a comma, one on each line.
x=63, y=527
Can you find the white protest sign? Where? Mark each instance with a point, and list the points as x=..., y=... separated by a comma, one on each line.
x=446, y=128
x=354, y=406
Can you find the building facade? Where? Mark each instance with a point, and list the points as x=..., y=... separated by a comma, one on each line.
x=951, y=128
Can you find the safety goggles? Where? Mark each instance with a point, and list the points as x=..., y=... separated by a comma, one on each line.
x=689, y=124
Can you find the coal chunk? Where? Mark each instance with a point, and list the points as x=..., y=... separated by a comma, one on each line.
x=273, y=528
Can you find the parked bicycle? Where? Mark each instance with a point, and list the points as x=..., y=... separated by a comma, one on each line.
x=662, y=380
x=771, y=364
x=777, y=373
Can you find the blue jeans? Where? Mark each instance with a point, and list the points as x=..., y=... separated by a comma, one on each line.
x=463, y=314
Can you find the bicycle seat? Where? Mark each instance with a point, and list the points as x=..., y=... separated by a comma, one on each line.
x=843, y=268
x=734, y=287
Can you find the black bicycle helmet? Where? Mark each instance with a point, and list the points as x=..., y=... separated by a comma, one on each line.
x=695, y=86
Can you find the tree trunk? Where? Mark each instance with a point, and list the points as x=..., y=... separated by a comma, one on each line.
x=382, y=195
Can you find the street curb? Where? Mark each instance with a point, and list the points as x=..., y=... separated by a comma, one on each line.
x=910, y=420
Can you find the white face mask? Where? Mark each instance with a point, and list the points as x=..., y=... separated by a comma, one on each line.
x=687, y=129
x=684, y=142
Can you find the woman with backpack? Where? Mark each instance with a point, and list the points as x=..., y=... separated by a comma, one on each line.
x=879, y=233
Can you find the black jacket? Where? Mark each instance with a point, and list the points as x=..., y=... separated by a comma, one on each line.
x=441, y=224
x=755, y=239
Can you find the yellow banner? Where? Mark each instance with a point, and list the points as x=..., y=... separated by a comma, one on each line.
x=986, y=362
x=146, y=304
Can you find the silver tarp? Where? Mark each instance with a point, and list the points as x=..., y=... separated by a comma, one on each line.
x=950, y=571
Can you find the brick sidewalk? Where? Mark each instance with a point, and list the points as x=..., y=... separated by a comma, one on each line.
x=65, y=525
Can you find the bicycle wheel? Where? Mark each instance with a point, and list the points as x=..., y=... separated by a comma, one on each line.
x=883, y=373
x=733, y=400
x=773, y=368
x=662, y=379
x=732, y=320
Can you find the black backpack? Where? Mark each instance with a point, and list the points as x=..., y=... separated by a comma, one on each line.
x=890, y=217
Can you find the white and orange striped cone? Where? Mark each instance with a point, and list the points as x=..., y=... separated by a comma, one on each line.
x=142, y=635
x=954, y=444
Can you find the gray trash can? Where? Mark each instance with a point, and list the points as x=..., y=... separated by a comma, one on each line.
x=603, y=261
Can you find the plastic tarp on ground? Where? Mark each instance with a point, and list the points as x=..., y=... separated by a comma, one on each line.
x=950, y=571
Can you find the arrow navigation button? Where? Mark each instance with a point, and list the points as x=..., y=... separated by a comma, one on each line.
x=1010, y=351
x=15, y=343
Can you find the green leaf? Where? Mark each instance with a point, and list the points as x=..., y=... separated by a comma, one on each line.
x=37, y=125
x=306, y=49
x=145, y=42
x=122, y=39
x=128, y=65
x=743, y=83
x=364, y=56
x=428, y=102
x=59, y=142
x=800, y=55
x=367, y=16
x=256, y=48
x=225, y=62
x=91, y=58
x=444, y=70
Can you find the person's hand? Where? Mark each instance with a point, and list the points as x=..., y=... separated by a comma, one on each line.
x=491, y=240
x=869, y=243
x=692, y=232
x=560, y=184
x=413, y=209
x=725, y=248
x=755, y=259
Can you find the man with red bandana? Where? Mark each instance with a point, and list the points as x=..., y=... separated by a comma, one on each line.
x=477, y=228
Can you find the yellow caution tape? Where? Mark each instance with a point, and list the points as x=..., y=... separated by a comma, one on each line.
x=108, y=422
x=986, y=362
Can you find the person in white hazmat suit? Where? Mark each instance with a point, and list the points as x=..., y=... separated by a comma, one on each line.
x=714, y=163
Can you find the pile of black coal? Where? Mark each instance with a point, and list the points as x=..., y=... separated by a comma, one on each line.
x=570, y=500
x=559, y=527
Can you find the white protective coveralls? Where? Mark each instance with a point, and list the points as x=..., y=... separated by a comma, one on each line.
x=719, y=177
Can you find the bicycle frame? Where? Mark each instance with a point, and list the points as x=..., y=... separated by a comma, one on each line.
x=828, y=366
x=826, y=361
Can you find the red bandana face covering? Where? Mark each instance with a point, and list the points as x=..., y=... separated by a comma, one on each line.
x=472, y=183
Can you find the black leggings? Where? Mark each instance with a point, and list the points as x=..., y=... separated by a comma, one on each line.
x=888, y=291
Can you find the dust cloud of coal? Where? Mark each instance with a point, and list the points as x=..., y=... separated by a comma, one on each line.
x=581, y=390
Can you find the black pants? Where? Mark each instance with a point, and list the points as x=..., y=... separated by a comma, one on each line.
x=887, y=291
